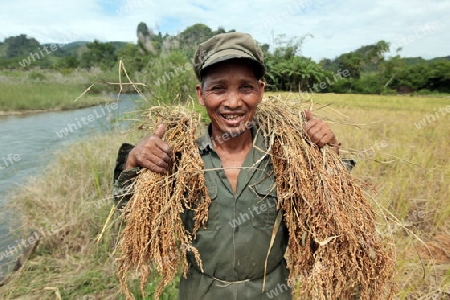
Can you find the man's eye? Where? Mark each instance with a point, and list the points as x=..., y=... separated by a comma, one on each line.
x=216, y=88
x=247, y=87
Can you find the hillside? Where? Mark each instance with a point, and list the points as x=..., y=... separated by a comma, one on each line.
x=10, y=48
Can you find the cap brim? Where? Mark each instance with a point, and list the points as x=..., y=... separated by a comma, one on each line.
x=229, y=54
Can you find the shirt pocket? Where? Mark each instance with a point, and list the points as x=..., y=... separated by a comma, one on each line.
x=213, y=223
x=264, y=205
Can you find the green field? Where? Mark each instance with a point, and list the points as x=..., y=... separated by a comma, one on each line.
x=51, y=90
x=402, y=150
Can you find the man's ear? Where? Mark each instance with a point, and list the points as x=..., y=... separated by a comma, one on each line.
x=198, y=90
x=262, y=85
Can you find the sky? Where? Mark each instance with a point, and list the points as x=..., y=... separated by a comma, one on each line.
x=421, y=28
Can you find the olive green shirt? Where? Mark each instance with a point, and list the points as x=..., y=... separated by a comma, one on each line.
x=234, y=245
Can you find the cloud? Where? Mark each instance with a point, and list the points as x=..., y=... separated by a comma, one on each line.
x=337, y=27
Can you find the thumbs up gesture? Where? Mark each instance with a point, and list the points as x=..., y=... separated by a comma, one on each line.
x=319, y=133
x=152, y=153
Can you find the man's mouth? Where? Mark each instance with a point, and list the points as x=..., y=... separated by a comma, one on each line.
x=233, y=119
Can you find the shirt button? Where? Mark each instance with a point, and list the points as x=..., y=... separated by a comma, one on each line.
x=237, y=229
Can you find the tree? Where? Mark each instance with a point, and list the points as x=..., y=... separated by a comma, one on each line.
x=68, y=62
x=439, y=76
x=169, y=77
x=364, y=59
x=329, y=65
x=287, y=69
x=376, y=54
x=195, y=34
x=219, y=30
x=133, y=59
x=20, y=45
x=352, y=62
x=192, y=36
x=98, y=55
x=287, y=48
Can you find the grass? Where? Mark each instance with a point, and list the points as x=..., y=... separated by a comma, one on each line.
x=43, y=96
x=51, y=90
x=75, y=194
x=410, y=172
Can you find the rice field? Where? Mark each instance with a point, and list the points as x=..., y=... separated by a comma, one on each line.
x=401, y=145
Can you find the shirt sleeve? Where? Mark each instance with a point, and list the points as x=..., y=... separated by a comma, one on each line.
x=123, y=179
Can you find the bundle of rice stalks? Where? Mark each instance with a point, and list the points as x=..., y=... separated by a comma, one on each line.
x=334, y=250
x=154, y=233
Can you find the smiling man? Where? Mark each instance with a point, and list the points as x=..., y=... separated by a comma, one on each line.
x=234, y=244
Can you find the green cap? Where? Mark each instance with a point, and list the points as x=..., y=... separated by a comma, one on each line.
x=225, y=46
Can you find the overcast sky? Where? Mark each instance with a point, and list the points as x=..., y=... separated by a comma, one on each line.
x=420, y=27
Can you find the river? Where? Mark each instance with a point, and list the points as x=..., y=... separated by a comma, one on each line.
x=28, y=141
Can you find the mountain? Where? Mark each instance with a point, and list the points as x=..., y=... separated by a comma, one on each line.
x=23, y=45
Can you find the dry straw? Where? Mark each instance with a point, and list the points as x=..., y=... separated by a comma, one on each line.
x=154, y=232
x=334, y=250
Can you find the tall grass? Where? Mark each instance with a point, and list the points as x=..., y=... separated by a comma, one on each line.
x=43, y=89
x=43, y=96
x=410, y=171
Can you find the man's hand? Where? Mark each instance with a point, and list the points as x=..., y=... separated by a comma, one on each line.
x=319, y=133
x=152, y=153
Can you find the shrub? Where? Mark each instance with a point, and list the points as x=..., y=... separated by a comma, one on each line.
x=37, y=76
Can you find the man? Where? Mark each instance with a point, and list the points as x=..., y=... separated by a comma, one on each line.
x=234, y=245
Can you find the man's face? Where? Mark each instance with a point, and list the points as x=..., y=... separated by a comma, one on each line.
x=230, y=94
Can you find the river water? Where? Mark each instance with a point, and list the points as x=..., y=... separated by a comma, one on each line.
x=28, y=141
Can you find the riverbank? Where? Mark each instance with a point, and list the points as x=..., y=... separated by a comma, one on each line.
x=101, y=100
x=26, y=92
x=399, y=148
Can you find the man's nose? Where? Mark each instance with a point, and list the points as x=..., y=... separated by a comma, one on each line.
x=234, y=100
